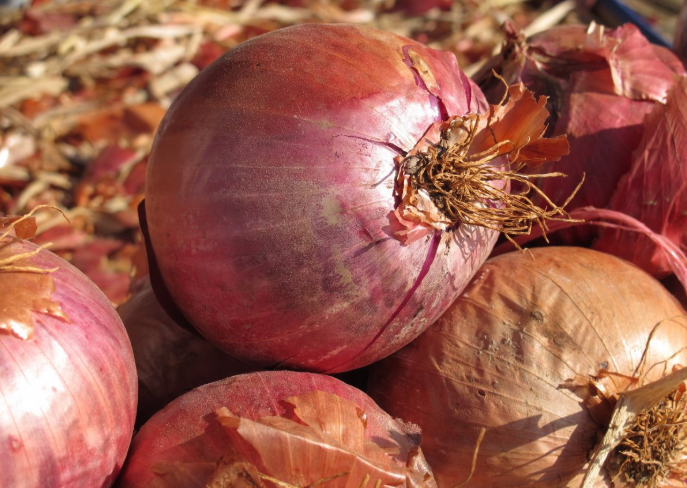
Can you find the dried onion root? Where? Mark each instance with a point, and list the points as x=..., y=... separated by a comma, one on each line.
x=645, y=456
x=463, y=188
x=468, y=175
x=644, y=444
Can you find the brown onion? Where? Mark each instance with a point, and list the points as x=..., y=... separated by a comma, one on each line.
x=297, y=428
x=507, y=354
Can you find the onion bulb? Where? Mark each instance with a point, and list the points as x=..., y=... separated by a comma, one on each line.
x=275, y=428
x=601, y=84
x=170, y=360
x=516, y=382
x=68, y=375
x=282, y=199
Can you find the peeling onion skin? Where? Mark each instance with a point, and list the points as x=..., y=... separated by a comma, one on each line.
x=68, y=394
x=177, y=433
x=170, y=360
x=269, y=188
x=599, y=104
x=496, y=357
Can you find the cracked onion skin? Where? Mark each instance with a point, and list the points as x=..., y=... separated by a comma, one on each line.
x=497, y=357
x=68, y=394
x=269, y=189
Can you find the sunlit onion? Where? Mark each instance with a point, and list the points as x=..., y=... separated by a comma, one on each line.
x=297, y=428
x=68, y=388
x=278, y=207
x=269, y=188
x=517, y=355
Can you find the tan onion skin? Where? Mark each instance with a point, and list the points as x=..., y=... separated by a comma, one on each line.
x=495, y=359
x=182, y=431
x=170, y=360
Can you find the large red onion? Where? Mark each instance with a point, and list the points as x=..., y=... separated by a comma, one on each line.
x=68, y=390
x=269, y=190
x=601, y=83
x=182, y=445
x=507, y=355
x=170, y=360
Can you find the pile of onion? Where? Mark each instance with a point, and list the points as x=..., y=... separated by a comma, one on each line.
x=170, y=359
x=68, y=375
x=284, y=203
x=621, y=102
x=516, y=383
x=271, y=429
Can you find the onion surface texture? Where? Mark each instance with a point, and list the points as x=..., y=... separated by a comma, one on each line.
x=270, y=197
x=68, y=392
x=535, y=352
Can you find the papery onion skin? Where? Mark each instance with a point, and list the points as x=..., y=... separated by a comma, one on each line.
x=496, y=358
x=68, y=394
x=601, y=83
x=269, y=190
x=170, y=360
x=654, y=190
x=177, y=433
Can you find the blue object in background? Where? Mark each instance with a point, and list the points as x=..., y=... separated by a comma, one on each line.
x=613, y=12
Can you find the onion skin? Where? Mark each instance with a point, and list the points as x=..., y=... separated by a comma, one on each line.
x=69, y=392
x=602, y=83
x=176, y=434
x=269, y=190
x=654, y=189
x=170, y=360
x=496, y=359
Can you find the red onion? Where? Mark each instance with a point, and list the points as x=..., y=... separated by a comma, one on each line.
x=170, y=360
x=519, y=354
x=68, y=374
x=654, y=190
x=601, y=82
x=271, y=192
x=195, y=438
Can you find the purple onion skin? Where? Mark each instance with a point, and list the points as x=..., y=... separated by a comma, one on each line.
x=269, y=190
x=68, y=395
x=600, y=86
x=170, y=360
